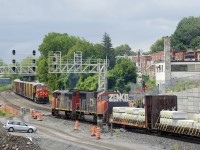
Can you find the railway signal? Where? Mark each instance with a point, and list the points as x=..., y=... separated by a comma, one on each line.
x=13, y=52
x=34, y=52
x=26, y=66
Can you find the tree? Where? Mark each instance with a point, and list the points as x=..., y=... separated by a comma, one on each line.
x=57, y=42
x=124, y=71
x=195, y=43
x=187, y=30
x=157, y=46
x=122, y=49
x=42, y=69
x=107, y=50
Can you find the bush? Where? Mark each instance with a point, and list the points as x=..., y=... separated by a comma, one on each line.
x=2, y=113
x=6, y=87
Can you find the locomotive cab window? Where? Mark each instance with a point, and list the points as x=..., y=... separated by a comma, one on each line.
x=104, y=98
x=46, y=88
x=39, y=88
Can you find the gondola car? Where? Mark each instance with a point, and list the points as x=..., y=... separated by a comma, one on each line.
x=34, y=91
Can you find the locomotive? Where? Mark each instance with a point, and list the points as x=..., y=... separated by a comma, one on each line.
x=85, y=105
x=34, y=91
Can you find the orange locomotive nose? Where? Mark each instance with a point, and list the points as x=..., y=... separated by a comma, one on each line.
x=102, y=107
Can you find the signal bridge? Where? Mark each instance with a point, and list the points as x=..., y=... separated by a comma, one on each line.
x=25, y=67
x=78, y=65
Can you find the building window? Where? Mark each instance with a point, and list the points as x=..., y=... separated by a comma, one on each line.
x=176, y=68
x=187, y=68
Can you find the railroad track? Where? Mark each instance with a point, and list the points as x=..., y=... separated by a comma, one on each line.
x=21, y=102
x=59, y=134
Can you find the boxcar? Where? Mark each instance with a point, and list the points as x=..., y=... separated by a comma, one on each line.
x=34, y=91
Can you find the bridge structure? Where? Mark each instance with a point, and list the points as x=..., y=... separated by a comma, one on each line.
x=57, y=64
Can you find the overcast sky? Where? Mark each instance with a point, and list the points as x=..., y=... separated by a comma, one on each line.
x=138, y=23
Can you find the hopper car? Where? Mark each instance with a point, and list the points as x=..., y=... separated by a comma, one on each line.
x=34, y=91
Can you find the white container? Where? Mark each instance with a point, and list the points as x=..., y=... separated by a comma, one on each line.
x=117, y=115
x=134, y=111
x=119, y=109
x=169, y=122
x=142, y=112
x=173, y=114
x=141, y=118
x=132, y=117
x=197, y=125
x=186, y=123
x=196, y=117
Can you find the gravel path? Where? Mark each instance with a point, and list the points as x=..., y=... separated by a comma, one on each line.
x=53, y=133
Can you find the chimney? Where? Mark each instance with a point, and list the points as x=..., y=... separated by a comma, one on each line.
x=167, y=59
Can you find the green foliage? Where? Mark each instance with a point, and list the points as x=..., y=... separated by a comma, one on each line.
x=195, y=43
x=2, y=113
x=145, y=78
x=89, y=83
x=151, y=84
x=146, y=53
x=180, y=47
x=122, y=74
x=187, y=30
x=68, y=45
x=107, y=50
x=184, y=85
x=42, y=70
x=123, y=49
x=157, y=46
x=6, y=87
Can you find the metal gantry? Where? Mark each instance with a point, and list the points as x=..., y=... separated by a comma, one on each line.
x=57, y=64
x=26, y=66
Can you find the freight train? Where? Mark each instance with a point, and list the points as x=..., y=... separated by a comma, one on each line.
x=86, y=105
x=34, y=91
x=159, y=114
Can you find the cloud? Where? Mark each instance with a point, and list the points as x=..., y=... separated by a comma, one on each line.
x=137, y=23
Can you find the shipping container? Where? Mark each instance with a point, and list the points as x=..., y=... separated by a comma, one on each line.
x=154, y=104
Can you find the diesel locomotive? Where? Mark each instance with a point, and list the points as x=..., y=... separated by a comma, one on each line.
x=85, y=105
x=34, y=91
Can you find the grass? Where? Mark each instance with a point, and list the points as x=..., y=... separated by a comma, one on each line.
x=2, y=113
x=5, y=87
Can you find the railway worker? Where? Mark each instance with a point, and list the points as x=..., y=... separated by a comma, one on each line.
x=144, y=86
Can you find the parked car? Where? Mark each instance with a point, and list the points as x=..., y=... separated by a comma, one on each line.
x=12, y=125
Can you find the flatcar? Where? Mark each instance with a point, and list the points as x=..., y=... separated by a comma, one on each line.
x=34, y=91
x=160, y=115
x=85, y=105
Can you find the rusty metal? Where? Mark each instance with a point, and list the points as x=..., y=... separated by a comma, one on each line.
x=154, y=104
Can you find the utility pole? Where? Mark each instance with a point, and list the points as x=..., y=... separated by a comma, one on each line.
x=139, y=52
